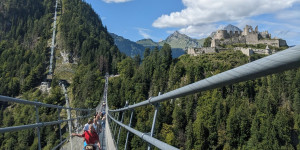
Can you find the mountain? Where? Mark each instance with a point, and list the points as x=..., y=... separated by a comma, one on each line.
x=178, y=42
x=229, y=28
x=182, y=41
x=128, y=47
x=232, y=28
x=147, y=43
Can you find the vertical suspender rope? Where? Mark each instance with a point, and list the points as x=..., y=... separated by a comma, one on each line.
x=38, y=128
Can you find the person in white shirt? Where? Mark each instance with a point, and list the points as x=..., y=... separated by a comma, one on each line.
x=95, y=124
x=86, y=126
x=98, y=119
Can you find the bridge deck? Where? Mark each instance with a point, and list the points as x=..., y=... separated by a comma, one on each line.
x=78, y=141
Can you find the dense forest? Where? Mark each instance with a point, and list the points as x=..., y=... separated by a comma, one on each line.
x=25, y=28
x=256, y=114
x=24, y=31
x=25, y=35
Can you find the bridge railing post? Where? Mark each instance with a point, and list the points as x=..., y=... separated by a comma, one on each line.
x=77, y=120
x=58, y=112
x=128, y=131
x=120, y=126
x=38, y=128
x=68, y=113
x=115, y=127
x=156, y=105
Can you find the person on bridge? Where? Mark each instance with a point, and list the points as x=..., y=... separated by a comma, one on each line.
x=91, y=136
x=103, y=121
x=86, y=126
x=98, y=121
x=95, y=125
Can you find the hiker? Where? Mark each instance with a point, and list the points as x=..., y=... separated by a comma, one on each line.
x=86, y=126
x=91, y=136
x=98, y=120
x=103, y=121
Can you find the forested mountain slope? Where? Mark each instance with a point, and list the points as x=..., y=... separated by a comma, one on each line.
x=128, y=47
x=256, y=114
x=83, y=36
x=24, y=30
x=25, y=35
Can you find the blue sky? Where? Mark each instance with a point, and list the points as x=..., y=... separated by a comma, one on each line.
x=157, y=19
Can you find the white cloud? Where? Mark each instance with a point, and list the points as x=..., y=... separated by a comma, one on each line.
x=171, y=31
x=115, y=1
x=291, y=37
x=289, y=14
x=144, y=33
x=200, y=31
x=243, y=22
x=286, y=31
x=200, y=12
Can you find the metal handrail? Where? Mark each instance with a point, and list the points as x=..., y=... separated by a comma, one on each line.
x=144, y=136
x=41, y=124
x=278, y=62
x=61, y=143
x=21, y=101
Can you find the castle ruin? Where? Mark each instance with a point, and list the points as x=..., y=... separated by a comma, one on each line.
x=247, y=51
x=247, y=36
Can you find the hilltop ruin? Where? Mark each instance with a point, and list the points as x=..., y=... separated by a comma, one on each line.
x=248, y=36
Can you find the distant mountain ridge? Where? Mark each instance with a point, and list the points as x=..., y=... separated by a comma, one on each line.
x=147, y=43
x=128, y=47
x=179, y=43
x=182, y=41
x=232, y=28
x=229, y=28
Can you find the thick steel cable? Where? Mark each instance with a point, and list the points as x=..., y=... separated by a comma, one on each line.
x=21, y=101
x=144, y=136
x=40, y=124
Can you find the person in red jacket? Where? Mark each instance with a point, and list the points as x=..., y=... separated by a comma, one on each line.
x=91, y=136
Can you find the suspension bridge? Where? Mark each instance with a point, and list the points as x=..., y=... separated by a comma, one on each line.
x=281, y=61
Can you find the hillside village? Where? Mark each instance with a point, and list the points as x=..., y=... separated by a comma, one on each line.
x=236, y=39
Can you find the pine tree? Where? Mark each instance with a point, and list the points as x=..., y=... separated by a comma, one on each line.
x=146, y=52
x=296, y=103
x=189, y=144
